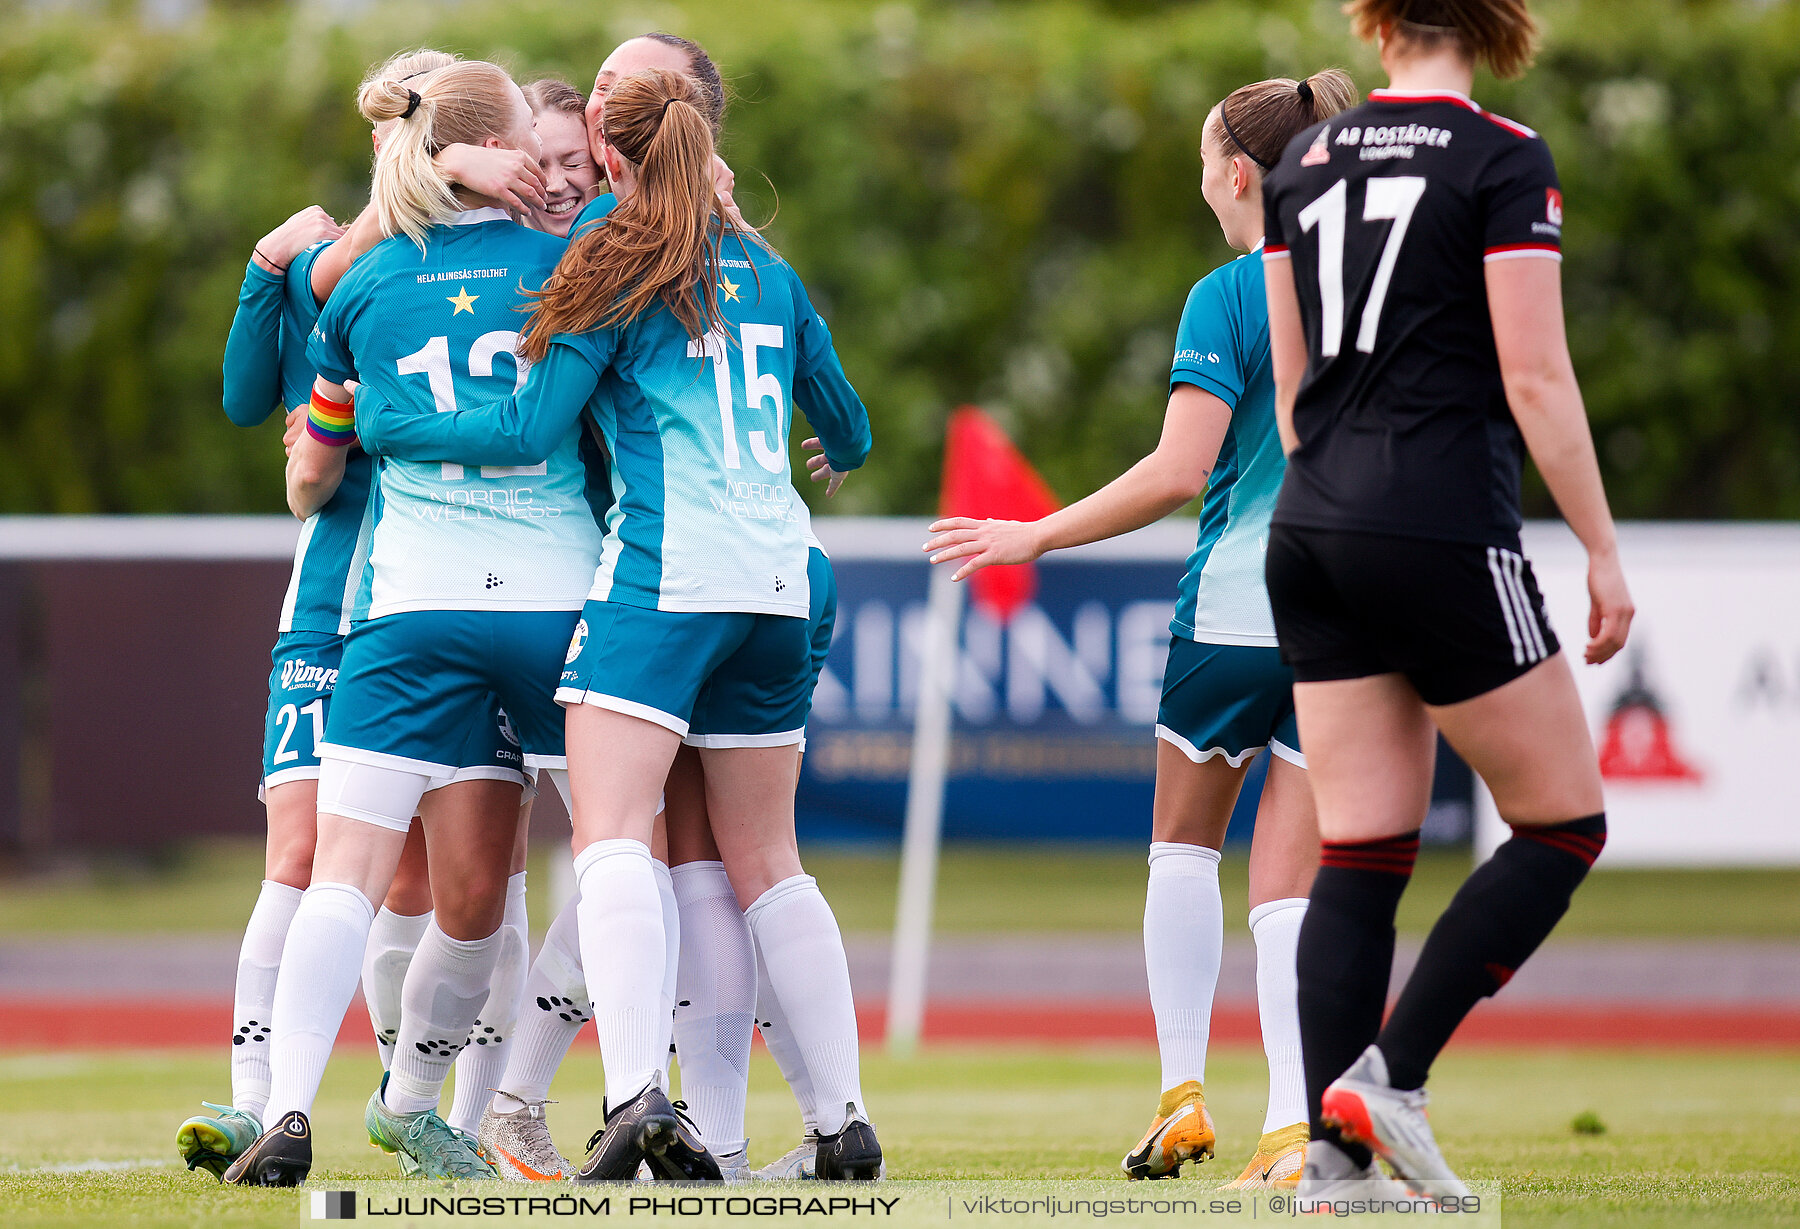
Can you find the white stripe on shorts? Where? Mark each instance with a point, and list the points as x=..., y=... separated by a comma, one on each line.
x=1521, y=624
x=1529, y=609
x=1506, y=610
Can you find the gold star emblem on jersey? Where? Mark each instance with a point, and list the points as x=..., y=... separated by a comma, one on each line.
x=463, y=300
x=728, y=288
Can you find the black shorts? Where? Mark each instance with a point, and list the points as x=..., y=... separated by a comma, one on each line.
x=1457, y=619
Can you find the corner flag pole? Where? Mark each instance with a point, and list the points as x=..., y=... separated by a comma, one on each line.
x=924, y=814
x=984, y=476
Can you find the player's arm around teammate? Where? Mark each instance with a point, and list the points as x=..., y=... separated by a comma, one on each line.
x=252, y=383
x=1399, y=589
x=1226, y=694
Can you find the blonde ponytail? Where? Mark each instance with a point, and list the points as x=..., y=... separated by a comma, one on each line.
x=404, y=66
x=465, y=101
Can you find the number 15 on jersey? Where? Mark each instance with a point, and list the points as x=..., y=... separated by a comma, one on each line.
x=769, y=448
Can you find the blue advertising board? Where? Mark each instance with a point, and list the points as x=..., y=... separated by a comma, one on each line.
x=1054, y=712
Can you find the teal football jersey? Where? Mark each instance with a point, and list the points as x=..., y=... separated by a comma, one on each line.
x=434, y=331
x=267, y=368
x=1222, y=348
x=705, y=516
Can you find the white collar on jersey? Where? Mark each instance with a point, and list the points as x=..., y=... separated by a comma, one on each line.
x=1260, y=240
x=470, y=217
x=1452, y=96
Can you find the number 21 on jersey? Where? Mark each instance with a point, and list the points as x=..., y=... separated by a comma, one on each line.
x=1386, y=198
x=769, y=448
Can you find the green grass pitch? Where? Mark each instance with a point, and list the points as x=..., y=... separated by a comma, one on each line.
x=981, y=889
x=1690, y=1139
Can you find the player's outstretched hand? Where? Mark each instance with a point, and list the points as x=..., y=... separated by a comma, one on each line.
x=983, y=543
x=509, y=175
x=276, y=250
x=820, y=468
x=1609, y=607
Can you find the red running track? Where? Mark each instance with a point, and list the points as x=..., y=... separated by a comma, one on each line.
x=168, y=1023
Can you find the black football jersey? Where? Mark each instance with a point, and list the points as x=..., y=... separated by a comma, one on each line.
x=1387, y=213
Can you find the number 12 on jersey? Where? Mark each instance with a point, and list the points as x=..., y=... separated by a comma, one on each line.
x=1387, y=198
x=433, y=362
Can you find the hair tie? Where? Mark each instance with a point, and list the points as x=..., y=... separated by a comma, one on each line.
x=1239, y=141
x=412, y=104
x=667, y=102
x=1304, y=89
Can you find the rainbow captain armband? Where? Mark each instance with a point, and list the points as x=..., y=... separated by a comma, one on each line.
x=331, y=422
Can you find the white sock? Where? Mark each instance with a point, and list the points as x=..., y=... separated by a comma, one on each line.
x=1184, y=937
x=772, y=1023
x=671, y=916
x=392, y=940
x=482, y=1064
x=623, y=952
x=252, y=1005
x=715, y=994
x=319, y=967
x=445, y=990
x=554, y=1007
x=1276, y=927
x=804, y=952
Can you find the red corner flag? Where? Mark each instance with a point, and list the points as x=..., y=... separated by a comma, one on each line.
x=986, y=477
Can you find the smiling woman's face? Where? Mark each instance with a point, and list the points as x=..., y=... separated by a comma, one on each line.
x=571, y=177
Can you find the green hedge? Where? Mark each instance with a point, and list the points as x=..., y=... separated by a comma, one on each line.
x=992, y=202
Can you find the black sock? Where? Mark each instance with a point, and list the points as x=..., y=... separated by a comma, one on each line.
x=1499, y=917
x=1345, y=957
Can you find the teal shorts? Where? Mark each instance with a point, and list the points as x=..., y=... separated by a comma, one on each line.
x=719, y=714
x=753, y=671
x=302, y=682
x=416, y=687
x=1228, y=700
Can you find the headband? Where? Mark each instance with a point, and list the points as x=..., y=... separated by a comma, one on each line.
x=1239, y=142
x=412, y=104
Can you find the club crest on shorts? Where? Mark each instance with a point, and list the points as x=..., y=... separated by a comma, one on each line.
x=507, y=731
x=577, y=642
